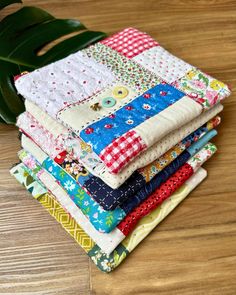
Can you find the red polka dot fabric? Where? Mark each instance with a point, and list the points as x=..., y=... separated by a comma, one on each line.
x=155, y=199
x=130, y=42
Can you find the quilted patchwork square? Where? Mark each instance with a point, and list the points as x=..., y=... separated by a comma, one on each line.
x=124, y=69
x=122, y=150
x=100, y=105
x=167, y=66
x=130, y=42
x=131, y=59
x=107, y=130
x=202, y=88
x=71, y=80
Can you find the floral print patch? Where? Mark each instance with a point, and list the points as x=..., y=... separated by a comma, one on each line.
x=106, y=262
x=206, y=152
x=156, y=166
x=202, y=88
x=72, y=166
x=124, y=69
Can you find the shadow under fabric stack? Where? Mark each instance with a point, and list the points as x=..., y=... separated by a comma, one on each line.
x=113, y=139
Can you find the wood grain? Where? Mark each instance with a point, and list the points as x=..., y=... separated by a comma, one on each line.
x=194, y=250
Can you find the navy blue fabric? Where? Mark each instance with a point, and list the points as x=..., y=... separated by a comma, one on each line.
x=110, y=198
x=151, y=186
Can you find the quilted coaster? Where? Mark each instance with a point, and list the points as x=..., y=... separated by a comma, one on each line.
x=108, y=198
x=112, y=101
x=104, y=261
x=89, y=159
x=104, y=221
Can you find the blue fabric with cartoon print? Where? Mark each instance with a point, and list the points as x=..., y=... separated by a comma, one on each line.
x=101, y=133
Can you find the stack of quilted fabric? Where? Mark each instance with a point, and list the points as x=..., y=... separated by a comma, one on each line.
x=113, y=139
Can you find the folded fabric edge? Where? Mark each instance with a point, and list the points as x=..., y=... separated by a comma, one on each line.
x=114, y=181
x=116, y=216
x=96, y=187
x=104, y=264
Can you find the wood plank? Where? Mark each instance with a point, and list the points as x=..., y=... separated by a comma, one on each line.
x=36, y=255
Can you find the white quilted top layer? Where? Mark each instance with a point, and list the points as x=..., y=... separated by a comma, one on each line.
x=164, y=64
x=72, y=79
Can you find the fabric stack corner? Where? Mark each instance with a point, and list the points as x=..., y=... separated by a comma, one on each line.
x=114, y=138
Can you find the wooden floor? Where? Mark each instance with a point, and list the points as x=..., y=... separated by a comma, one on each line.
x=194, y=250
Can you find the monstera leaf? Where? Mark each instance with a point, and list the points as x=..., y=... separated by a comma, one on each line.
x=22, y=35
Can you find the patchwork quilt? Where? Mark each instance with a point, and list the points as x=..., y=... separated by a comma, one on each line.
x=122, y=95
x=113, y=139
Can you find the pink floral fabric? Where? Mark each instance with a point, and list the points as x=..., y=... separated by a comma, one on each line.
x=42, y=137
x=202, y=88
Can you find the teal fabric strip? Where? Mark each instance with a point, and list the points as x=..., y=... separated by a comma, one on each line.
x=195, y=147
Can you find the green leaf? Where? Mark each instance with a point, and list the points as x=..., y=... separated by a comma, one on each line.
x=62, y=173
x=86, y=210
x=204, y=79
x=22, y=35
x=5, y=3
x=76, y=43
x=119, y=258
x=109, y=219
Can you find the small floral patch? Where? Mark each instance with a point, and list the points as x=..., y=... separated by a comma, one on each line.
x=69, y=185
x=129, y=122
x=204, y=154
x=202, y=88
x=106, y=262
x=125, y=70
x=146, y=106
x=71, y=165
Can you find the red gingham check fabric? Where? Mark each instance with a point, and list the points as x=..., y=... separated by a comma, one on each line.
x=122, y=150
x=130, y=42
